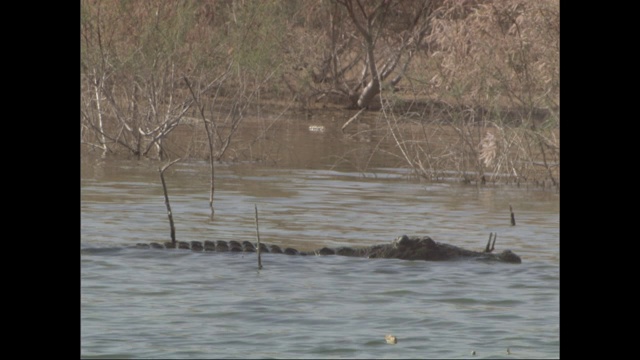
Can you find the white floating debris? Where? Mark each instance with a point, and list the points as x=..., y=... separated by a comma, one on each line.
x=316, y=128
x=391, y=339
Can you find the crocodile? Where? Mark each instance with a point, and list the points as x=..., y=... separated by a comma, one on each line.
x=403, y=247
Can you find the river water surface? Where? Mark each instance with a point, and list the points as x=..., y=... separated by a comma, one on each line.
x=179, y=304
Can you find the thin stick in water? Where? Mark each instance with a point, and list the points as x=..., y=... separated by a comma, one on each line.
x=258, y=236
x=166, y=199
x=513, y=217
x=211, y=140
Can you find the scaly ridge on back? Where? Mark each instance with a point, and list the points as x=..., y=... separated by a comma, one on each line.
x=403, y=247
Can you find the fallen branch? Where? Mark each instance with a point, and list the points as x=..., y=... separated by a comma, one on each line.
x=166, y=199
x=352, y=118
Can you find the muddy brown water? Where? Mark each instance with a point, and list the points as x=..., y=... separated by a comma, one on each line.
x=179, y=304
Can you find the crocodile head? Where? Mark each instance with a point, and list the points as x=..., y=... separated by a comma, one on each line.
x=413, y=248
x=404, y=242
x=510, y=257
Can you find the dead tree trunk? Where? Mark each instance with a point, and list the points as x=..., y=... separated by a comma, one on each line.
x=373, y=87
x=384, y=22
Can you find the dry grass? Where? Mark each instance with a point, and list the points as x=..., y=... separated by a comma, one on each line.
x=479, y=95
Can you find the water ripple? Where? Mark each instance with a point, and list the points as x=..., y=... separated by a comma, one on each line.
x=179, y=304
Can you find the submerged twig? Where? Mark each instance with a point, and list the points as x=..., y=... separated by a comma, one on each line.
x=258, y=236
x=166, y=199
x=490, y=247
x=513, y=217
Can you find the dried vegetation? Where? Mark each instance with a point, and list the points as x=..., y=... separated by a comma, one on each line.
x=459, y=88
